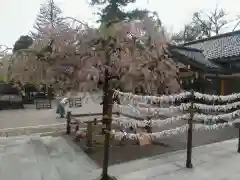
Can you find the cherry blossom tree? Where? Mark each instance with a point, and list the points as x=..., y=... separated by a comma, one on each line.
x=124, y=55
x=134, y=52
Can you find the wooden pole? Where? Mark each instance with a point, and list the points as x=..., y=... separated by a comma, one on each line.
x=68, y=129
x=190, y=131
x=107, y=120
x=222, y=84
x=89, y=136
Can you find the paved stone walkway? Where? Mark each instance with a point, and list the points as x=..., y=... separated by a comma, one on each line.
x=32, y=117
x=53, y=158
x=218, y=161
x=42, y=158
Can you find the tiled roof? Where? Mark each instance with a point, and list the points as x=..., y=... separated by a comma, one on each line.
x=194, y=57
x=218, y=47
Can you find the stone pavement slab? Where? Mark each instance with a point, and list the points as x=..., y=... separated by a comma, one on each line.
x=52, y=158
x=18, y=162
x=218, y=161
x=69, y=164
x=48, y=170
x=42, y=158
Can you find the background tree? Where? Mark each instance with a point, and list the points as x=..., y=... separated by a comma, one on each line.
x=204, y=25
x=113, y=11
x=22, y=43
x=41, y=61
x=50, y=15
x=238, y=23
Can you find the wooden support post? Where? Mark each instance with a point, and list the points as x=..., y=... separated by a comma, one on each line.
x=77, y=127
x=95, y=121
x=190, y=131
x=222, y=82
x=50, y=103
x=149, y=129
x=37, y=104
x=77, y=137
x=89, y=143
x=68, y=130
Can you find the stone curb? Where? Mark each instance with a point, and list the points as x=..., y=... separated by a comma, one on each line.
x=32, y=130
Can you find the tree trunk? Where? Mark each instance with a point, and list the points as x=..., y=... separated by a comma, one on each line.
x=107, y=122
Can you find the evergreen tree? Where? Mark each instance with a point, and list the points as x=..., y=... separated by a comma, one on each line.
x=50, y=15
x=113, y=11
x=22, y=43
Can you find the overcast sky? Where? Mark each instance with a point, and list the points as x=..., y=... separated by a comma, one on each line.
x=17, y=16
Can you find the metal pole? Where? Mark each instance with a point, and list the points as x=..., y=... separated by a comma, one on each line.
x=238, y=140
x=190, y=130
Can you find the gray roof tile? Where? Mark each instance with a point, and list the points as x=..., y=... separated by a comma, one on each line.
x=218, y=47
x=198, y=57
x=194, y=56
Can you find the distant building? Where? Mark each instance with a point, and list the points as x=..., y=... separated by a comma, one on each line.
x=215, y=61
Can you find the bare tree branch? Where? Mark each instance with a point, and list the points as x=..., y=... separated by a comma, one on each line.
x=205, y=24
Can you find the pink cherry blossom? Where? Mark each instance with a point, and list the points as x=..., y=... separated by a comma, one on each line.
x=136, y=55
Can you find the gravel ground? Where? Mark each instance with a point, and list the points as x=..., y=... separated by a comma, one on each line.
x=128, y=152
